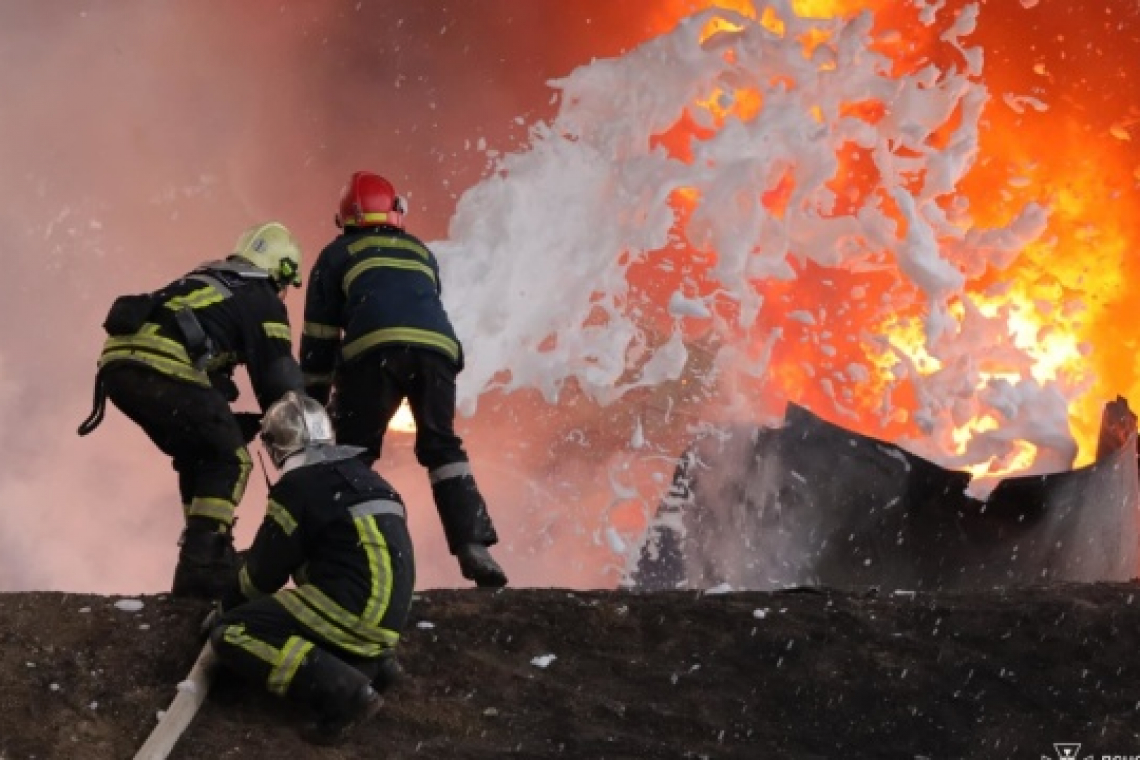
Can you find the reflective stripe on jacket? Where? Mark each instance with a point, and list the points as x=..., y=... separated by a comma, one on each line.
x=339, y=531
x=241, y=315
x=373, y=287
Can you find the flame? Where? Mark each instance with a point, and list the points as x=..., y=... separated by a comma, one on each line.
x=1058, y=298
x=403, y=421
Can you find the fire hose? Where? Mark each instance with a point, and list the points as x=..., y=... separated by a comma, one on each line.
x=191, y=694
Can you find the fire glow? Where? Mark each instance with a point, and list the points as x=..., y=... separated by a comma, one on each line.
x=403, y=421
x=897, y=215
x=854, y=340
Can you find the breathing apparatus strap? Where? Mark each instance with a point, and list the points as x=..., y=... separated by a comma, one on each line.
x=98, y=407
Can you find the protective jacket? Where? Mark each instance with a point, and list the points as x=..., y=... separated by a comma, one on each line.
x=374, y=286
x=338, y=530
x=201, y=326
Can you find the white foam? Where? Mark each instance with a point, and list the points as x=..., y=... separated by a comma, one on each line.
x=539, y=253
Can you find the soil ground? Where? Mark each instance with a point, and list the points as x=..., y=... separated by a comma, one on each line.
x=802, y=673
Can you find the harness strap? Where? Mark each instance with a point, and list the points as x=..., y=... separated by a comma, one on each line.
x=98, y=407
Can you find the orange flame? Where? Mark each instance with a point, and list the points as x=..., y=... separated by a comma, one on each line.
x=403, y=421
x=1063, y=295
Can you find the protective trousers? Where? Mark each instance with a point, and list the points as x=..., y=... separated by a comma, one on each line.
x=263, y=643
x=194, y=426
x=367, y=393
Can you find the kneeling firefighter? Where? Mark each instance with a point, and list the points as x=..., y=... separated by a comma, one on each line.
x=338, y=530
x=168, y=363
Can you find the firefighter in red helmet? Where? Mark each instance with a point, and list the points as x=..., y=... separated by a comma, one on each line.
x=376, y=333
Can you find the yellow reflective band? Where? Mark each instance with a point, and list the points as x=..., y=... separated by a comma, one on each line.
x=375, y=241
x=319, y=331
x=217, y=509
x=162, y=364
x=281, y=516
x=385, y=263
x=379, y=569
x=288, y=661
x=147, y=340
x=248, y=588
x=278, y=330
x=402, y=335
x=235, y=635
x=198, y=299
x=323, y=604
x=372, y=217
x=315, y=609
x=327, y=631
x=245, y=466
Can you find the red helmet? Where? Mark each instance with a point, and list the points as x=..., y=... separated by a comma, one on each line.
x=370, y=200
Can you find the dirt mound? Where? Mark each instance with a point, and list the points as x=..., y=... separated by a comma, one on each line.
x=552, y=673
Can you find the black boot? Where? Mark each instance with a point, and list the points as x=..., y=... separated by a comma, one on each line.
x=387, y=673
x=339, y=695
x=467, y=524
x=207, y=564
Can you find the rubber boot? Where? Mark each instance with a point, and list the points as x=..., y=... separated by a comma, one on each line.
x=388, y=672
x=468, y=528
x=340, y=696
x=207, y=564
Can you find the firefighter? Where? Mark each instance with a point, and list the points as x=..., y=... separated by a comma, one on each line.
x=376, y=333
x=338, y=529
x=168, y=365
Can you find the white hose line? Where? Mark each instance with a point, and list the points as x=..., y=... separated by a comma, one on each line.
x=191, y=694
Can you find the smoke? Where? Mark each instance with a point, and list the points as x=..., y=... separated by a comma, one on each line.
x=140, y=138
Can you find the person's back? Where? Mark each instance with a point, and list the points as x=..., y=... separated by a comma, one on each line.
x=346, y=526
x=339, y=531
x=381, y=286
x=167, y=364
x=376, y=330
x=242, y=321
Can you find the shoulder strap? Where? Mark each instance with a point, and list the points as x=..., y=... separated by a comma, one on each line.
x=232, y=271
x=212, y=280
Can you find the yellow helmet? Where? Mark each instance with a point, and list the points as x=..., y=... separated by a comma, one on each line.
x=270, y=246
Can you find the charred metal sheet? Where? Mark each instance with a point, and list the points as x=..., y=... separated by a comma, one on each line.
x=811, y=503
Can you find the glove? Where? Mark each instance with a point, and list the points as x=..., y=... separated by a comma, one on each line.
x=249, y=423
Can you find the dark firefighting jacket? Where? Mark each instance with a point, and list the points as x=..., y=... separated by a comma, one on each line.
x=377, y=286
x=242, y=321
x=338, y=530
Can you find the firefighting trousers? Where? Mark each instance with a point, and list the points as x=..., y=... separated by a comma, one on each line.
x=264, y=644
x=368, y=391
x=195, y=427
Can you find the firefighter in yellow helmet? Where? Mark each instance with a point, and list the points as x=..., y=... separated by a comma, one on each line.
x=167, y=364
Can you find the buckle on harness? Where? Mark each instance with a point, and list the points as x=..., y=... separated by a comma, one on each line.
x=198, y=344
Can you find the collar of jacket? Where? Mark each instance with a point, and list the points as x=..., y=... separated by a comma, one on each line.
x=383, y=229
x=233, y=264
x=321, y=452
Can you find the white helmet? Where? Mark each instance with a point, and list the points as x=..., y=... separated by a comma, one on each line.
x=272, y=247
x=293, y=424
